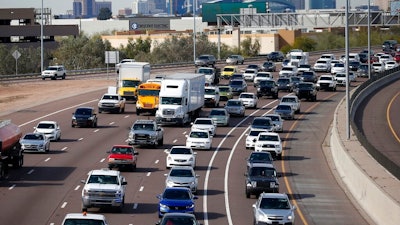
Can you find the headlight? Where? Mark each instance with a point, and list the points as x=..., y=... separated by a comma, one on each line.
x=91, y=118
x=85, y=192
x=191, y=159
x=190, y=206
x=169, y=183
x=73, y=117
x=290, y=217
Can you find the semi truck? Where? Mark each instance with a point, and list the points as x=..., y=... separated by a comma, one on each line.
x=130, y=76
x=181, y=98
x=11, y=152
x=297, y=58
x=147, y=97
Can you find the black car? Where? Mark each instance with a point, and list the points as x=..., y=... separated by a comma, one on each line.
x=354, y=65
x=267, y=88
x=84, y=117
x=261, y=177
x=268, y=66
x=363, y=57
x=275, y=56
x=285, y=84
x=259, y=157
x=309, y=76
x=306, y=90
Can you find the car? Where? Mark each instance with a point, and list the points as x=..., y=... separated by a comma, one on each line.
x=363, y=57
x=333, y=62
x=273, y=208
x=328, y=56
x=285, y=111
x=304, y=67
x=205, y=60
x=338, y=68
x=341, y=79
x=277, y=121
x=288, y=71
x=254, y=66
x=104, y=188
x=262, y=123
x=225, y=93
x=211, y=96
x=389, y=44
x=391, y=64
x=378, y=67
x=199, y=139
x=306, y=90
x=220, y=116
x=259, y=157
x=262, y=76
x=250, y=74
x=235, y=107
x=84, y=117
x=285, y=84
x=261, y=178
x=54, y=72
x=267, y=88
x=238, y=76
x=322, y=65
x=176, y=199
x=180, y=156
x=228, y=71
x=146, y=133
x=252, y=137
x=352, y=76
x=296, y=80
x=206, y=124
x=211, y=75
x=235, y=59
x=269, y=142
x=293, y=101
x=397, y=57
x=238, y=86
x=51, y=129
x=178, y=218
x=84, y=218
x=35, y=142
x=309, y=76
x=182, y=176
x=285, y=62
x=268, y=66
x=363, y=70
x=122, y=156
x=326, y=82
x=354, y=65
x=249, y=99
x=385, y=57
x=113, y=103
x=275, y=56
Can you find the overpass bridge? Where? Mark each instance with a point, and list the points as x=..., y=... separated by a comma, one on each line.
x=304, y=20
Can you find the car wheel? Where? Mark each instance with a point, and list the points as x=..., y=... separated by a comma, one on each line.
x=95, y=124
x=43, y=78
x=63, y=77
x=247, y=194
x=161, y=142
x=121, y=207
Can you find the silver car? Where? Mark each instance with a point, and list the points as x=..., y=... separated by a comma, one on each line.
x=182, y=176
x=277, y=121
x=273, y=208
x=235, y=107
x=35, y=142
x=220, y=116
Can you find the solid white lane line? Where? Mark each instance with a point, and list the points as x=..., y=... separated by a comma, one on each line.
x=141, y=188
x=46, y=160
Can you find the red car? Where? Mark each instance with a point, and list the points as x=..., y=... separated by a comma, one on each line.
x=122, y=156
x=397, y=57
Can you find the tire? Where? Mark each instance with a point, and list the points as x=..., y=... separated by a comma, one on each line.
x=161, y=142
x=43, y=78
x=247, y=194
x=95, y=124
x=63, y=77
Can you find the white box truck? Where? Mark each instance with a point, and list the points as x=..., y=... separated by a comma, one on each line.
x=130, y=76
x=297, y=58
x=181, y=98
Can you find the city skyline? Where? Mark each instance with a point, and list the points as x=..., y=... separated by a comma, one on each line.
x=62, y=7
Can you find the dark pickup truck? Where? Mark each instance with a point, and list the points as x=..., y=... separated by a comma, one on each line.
x=306, y=90
x=267, y=88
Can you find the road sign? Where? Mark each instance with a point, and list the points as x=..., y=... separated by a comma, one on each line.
x=16, y=54
x=112, y=57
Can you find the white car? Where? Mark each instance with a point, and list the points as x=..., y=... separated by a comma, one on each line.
x=199, y=139
x=338, y=68
x=378, y=67
x=303, y=67
x=206, y=124
x=288, y=71
x=384, y=58
x=180, y=156
x=51, y=129
x=269, y=142
x=262, y=76
x=333, y=62
x=249, y=99
x=341, y=79
x=322, y=65
x=252, y=138
x=277, y=121
x=391, y=64
x=250, y=74
x=54, y=72
x=182, y=176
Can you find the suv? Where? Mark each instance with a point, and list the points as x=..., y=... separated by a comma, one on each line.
x=54, y=72
x=84, y=116
x=205, y=60
x=291, y=100
x=146, y=132
x=273, y=208
x=326, y=82
x=267, y=88
x=211, y=96
x=306, y=90
x=260, y=178
x=275, y=56
x=84, y=218
x=104, y=188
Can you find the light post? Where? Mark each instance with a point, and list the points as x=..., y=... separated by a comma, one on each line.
x=347, y=71
x=369, y=39
x=41, y=40
x=194, y=32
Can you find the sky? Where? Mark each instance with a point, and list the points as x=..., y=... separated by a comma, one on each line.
x=62, y=6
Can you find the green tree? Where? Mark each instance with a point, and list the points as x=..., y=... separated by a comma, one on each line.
x=304, y=43
x=104, y=14
x=250, y=48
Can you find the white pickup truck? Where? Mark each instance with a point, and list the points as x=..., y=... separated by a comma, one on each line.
x=291, y=100
x=111, y=103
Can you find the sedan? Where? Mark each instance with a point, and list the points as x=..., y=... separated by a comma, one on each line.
x=35, y=142
x=178, y=218
x=235, y=107
x=225, y=93
x=322, y=65
x=277, y=121
x=51, y=129
x=391, y=64
x=249, y=99
x=182, y=176
x=235, y=59
x=199, y=139
x=174, y=200
x=122, y=156
x=272, y=208
x=285, y=84
x=309, y=76
x=285, y=111
x=250, y=74
x=238, y=86
x=220, y=117
x=252, y=137
x=268, y=66
x=206, y=124
x=180, y=156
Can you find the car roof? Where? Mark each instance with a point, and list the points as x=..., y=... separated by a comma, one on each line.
x=269, y=133
x=47, y=121
x=84, y=216
x=260, y=164
x=104, y=171
x=144, y=121
x=273, y=195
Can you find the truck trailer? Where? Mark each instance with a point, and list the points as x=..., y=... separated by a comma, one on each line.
x=181, y=98
x=130, y=76
x=11, y=152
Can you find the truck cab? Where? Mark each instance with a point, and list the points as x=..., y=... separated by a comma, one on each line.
x=130, y=76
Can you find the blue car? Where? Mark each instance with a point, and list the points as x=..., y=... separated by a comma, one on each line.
x=176, y=199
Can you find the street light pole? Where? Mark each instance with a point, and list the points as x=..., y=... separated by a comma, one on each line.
x=41, y=39
x=194, y=32
x=347, y=72
x=369, y=39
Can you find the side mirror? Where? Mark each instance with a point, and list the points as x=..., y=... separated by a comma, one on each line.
x=83, y=181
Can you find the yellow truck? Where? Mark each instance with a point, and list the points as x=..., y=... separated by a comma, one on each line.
x=147, y=98
x=130, y=76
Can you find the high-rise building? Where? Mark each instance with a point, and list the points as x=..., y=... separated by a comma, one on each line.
x=77, y=8
x=99, y=5
x=88, y=8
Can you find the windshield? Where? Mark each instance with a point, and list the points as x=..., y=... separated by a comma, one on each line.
x=246, y=96
x=224, y=89
x=82, y=111
x=261, y=122
x=103, y=179
x=283, y=81
x=208, y=122
x=217, y=113
x=171, y=101
x=283, y=107
x=273, y=118
x=83, y=222
x=255, y=132
x=262, y=172
x=325, y=78
x=46, y=126
x=237, y=82
x=179, y=221
x=121, y=150
x=302, y=85
x=176, y=194
x=185, y=151
x=148, y=92
x=229, y=69
x=260, y=157
x=209, y=91
x=268, y=138
x=198, y=134
x=143, y=127
x=206, y=71
x=267, y=83
x=130, y=83
x=33, y=137
x=288, y=100
x=181, y=173
x=234, y=103
x=274, y=203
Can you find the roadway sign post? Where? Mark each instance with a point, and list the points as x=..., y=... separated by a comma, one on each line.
x=111, y=57
x=16, y=54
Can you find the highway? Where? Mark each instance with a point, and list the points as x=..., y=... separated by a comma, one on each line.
x=48, y=186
